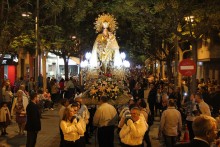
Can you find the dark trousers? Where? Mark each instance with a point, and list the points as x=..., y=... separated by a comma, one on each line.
x=31, y=138
x=147, y=138
x=61, y=138
x=106, y=136
x=170, y=141
x=151, y=106
x=77, y=143
x=125, y=145
x=82, y=141
x=189, y=126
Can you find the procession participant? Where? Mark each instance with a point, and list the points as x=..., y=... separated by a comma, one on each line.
x=72, y=128
x=132, y=132
x=105, y=123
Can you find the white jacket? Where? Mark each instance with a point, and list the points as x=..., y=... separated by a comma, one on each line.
x=132, y=133
x=3, y=112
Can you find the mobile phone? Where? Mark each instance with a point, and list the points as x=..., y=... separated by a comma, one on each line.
x=185, y=94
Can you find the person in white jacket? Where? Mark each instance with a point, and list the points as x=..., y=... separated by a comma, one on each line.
x=132, y=132
x=72, y=128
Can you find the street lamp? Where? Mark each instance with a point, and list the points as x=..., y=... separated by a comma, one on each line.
x=190, y=20
x=37, y=52
x=85, y=66
x=123, y=55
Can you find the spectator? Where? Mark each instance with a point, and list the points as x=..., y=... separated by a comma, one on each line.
x=170, y=124
x=31, y=85
x=61, y=84
x=164, y=103
x=33, y=125
x=5, y=118
x=202, y=107
x=190, y=109
x=132, y=132
x=205, y=131
x=138, y=91
x=8, y=96
x=6, y=83
x=47, y=99
x=158, y=102
x=152, y=97
x=216, y=101
x=105, y=123
x=48, y=84
x=54, y=90
x=19, y=110
x=40, y=81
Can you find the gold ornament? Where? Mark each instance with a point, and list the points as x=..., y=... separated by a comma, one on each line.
x=112, y=24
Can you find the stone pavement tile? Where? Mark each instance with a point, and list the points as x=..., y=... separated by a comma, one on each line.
x=13, y=139
x=47, y=137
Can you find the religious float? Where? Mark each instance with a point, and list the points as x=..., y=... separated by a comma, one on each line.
x=105, y=69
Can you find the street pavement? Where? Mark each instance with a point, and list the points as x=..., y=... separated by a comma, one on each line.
x=49, y=134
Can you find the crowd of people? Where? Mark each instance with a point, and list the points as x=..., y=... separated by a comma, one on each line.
x=176, y=108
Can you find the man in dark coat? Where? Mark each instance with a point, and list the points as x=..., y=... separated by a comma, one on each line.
x=152, y=97
x=216, y=101
x=205, y=131
x=33, y=124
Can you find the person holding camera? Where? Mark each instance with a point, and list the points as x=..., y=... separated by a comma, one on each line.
x=190, y=112
x=72, y=127
x=132, y=132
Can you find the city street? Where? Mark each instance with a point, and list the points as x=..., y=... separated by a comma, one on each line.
x=49, y=134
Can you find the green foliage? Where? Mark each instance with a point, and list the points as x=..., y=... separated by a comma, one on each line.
x=143, y=25
x=24, y=41
x=55, y=40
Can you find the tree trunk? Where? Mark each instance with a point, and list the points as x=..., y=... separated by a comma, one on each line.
x=169, y=70
x=66, y=69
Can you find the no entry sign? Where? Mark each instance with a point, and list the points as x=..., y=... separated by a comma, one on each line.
x=187, y=67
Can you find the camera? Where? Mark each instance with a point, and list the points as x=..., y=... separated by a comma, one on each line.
x=127, y=117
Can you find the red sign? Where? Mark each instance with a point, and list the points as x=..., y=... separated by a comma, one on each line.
x=187, y=67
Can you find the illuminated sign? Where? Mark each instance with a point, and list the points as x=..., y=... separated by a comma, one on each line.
x=9, y=59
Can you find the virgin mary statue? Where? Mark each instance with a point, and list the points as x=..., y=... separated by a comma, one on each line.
x=105, y=48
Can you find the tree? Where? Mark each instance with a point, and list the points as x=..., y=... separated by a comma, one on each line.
x=168, y=15
x=54, y=40
x=146, y=28
x=11, y=24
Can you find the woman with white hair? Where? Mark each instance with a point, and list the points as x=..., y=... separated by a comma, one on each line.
x=19, y=110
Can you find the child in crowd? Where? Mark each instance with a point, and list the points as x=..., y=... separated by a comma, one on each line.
x=5, y=118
